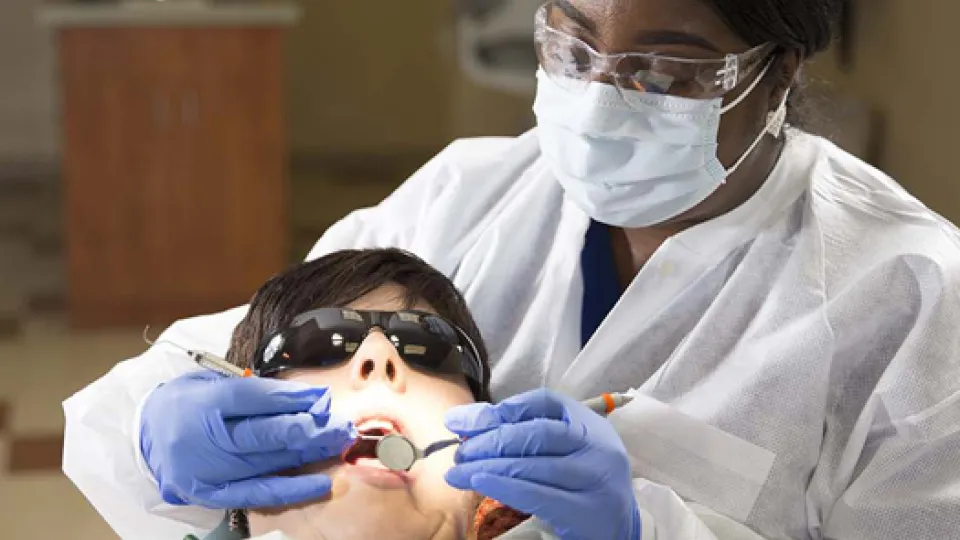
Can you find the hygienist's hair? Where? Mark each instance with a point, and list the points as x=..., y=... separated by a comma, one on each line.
x=806, y=26
x=340, y=278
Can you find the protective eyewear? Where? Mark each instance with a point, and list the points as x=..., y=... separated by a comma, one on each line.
x=328, y=337
x=573, y=64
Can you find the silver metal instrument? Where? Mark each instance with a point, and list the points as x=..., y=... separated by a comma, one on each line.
x=398, y=453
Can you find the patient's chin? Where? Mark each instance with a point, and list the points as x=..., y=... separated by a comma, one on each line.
x=356, y=510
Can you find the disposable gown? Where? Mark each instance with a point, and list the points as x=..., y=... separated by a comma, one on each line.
x=797, y=360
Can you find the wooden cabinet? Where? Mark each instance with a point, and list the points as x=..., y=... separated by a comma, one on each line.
x=174, y=163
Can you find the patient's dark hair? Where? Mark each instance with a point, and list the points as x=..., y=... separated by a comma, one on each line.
x=336, y=280
x=340, y=278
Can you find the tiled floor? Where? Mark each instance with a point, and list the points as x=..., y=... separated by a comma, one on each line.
x=42, y=362
x=37, y=372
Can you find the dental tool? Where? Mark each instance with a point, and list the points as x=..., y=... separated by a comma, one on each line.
x=604, y=404
x=398, y=453
x=204, y=359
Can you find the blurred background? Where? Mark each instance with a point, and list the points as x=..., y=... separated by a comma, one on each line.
x=161, y=159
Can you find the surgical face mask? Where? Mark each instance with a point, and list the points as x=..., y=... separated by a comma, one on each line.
x=636, y=164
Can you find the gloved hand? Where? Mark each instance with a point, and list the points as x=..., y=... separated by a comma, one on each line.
x=209, y=440
x=548, y=455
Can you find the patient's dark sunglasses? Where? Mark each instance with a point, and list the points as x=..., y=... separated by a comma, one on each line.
x=328, y=337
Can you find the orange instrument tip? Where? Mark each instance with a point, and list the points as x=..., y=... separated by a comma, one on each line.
x=610, y=403
x=248, y=372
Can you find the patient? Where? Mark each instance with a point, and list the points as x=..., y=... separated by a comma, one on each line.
x=378, y=388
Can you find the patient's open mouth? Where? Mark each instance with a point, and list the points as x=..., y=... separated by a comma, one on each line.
x=365, y=447
x=362, y=454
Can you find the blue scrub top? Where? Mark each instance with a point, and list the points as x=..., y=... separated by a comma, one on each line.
x=601, y=284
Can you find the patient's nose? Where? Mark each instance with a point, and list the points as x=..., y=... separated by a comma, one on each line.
x=378, y=362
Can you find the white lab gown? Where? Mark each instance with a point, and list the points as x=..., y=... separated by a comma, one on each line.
x=798, y=358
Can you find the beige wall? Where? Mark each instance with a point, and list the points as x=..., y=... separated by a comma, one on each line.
x=386, y=83
x=908, y=67
x=365, y=77
x=479, y=111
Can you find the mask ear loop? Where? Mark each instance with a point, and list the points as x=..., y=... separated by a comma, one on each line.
x=777, y=119
x=775, y=122
x=743, y=95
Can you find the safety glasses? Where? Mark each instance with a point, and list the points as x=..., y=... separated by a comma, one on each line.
x=572, y=64
x=328, y=337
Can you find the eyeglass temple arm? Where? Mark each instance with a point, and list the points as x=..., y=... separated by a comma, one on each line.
x=476, y=352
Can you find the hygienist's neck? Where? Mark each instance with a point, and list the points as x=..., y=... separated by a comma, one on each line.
x=634, y=247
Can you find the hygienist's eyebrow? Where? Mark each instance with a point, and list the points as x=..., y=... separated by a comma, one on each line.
x=644, y=37
x=673, y=37
x=576, y=15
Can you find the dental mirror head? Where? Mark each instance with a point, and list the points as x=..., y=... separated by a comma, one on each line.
x=397, y=453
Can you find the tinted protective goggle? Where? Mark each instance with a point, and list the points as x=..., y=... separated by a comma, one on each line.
x=328, y=337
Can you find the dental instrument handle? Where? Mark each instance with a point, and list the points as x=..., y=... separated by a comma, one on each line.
x=203, y=359
x=221, y=366
x=605, y=404
x=437, y=446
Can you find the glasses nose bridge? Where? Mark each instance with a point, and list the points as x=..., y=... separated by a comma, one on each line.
x=604, y=68
x=375, y=329
x=606, y=63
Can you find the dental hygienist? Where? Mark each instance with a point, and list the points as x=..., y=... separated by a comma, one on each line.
x=788, y=313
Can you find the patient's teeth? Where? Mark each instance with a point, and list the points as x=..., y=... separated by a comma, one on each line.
x=376, y=424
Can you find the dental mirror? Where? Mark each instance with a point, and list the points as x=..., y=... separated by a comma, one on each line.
x=398, y=453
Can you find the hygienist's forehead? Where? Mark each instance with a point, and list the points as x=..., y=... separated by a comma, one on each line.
x=639, y=24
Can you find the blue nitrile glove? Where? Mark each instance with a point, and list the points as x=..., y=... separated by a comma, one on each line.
x=210, y=440
x=548, y=455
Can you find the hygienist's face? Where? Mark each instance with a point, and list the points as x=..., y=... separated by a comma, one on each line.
x=694, y=30
x=367, y=501
x=678, y=28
